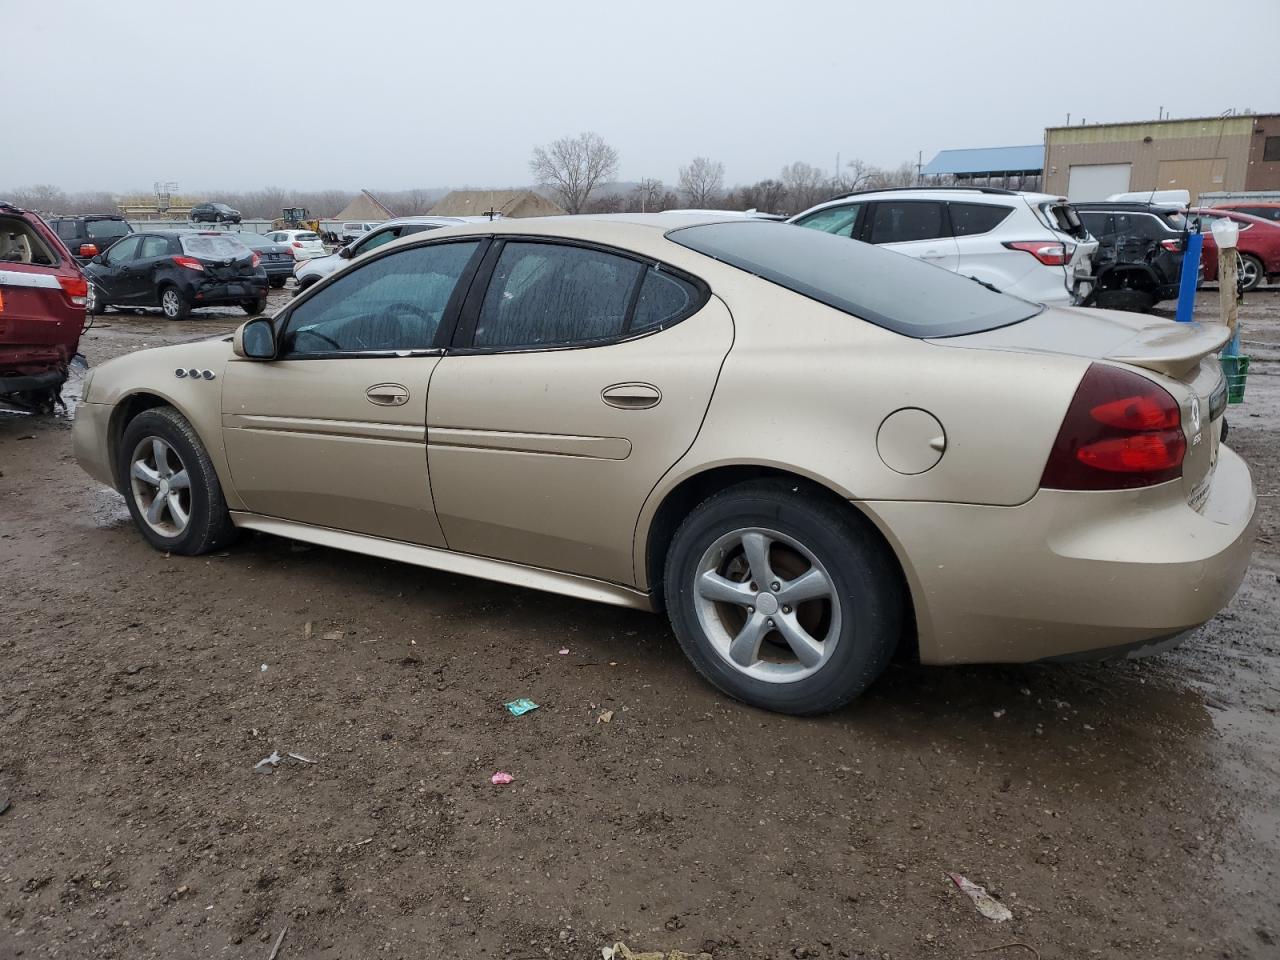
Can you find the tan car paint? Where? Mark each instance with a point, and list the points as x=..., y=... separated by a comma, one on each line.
x=499, y=494
x=304, y=442
x=997, y=569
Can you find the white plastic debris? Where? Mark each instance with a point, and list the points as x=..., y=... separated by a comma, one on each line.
x=987, y=905
x=267, y=763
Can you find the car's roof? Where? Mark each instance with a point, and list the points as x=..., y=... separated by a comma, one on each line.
x=396, y=221
x=1248, y=203
x=1230, y=215
x=988, y=195
x=1132, y=206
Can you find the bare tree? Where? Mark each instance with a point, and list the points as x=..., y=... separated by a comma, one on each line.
x=571, y=167
x=855, y=176
x=93, y=201
x=646, y=196
x=767, y=196
x=702, y=182
x=903, y=176
x=806, y=185
x=41, y=197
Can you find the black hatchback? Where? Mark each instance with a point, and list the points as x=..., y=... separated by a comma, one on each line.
x=177, y=271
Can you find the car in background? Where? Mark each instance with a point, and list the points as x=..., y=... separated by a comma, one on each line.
x=1030, y=245
x=89, y=235
x=1258, y=246
x=306, y=244
x=43, y=296
x=310, y=271
x=1266, y=209
x=1138, y=262
x=812, y=454
x=277, y=258
x=177, y=271
x=213, y=213
x=355, y=229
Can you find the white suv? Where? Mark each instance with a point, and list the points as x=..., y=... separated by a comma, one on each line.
x=1031, y=245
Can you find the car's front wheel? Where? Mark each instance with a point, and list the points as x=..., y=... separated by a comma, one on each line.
x=254, y=307
x=785, y=600
x=1251, y=272
x=173, y=492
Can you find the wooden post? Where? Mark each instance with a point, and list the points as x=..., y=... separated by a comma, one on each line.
x=1227, y=261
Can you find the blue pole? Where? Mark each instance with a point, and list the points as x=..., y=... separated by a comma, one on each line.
x=1190, y=274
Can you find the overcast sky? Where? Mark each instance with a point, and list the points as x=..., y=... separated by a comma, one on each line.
x=374, y=93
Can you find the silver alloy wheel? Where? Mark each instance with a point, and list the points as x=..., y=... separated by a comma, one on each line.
x=767, y=605
x=1249, y=272
x=161, y=487
x=170, y=303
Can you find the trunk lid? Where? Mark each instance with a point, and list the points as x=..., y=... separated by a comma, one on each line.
x=1182, y=355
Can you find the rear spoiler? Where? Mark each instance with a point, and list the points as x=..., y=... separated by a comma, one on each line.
x=1172, y=349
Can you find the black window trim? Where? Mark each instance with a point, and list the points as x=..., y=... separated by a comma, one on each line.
x=464, y=337
x=448, y=321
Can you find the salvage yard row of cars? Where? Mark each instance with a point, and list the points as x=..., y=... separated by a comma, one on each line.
x=812, y=454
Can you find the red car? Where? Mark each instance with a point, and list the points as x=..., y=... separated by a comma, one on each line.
x=1259, y=245
x=43, y=295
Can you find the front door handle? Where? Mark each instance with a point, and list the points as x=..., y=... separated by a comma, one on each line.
x=387, y=395
x=631, y=396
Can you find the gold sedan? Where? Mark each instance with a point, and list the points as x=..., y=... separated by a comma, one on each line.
x=812, y=453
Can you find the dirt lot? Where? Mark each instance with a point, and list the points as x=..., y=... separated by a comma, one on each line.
x=1120, y=810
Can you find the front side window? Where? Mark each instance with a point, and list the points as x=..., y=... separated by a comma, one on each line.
x=545, y=294
x=837, y=220
x=970, y=219
x=374, y=240
x=905, y=221
x=393, y=304
x=126, y=249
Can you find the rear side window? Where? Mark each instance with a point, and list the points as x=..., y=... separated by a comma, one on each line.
x=214, y=248
x=106, y=229
x=968, y=219
x=663, y=300
x=904, y=221
x=837, y=220
x=154, y=247
x=1266, y=213
x=19, y=243
x=67, y=229
x=898, y=293
x=1063, y=218
x=546, y=294
x=1098, y=224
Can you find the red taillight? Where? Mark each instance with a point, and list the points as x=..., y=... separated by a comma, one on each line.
x=1051, y=253
x=88, y=249
x=1121, y=430
x=76, y=288
x=191, y=263
x=256, y=259
x=1173, y=246
x=298, y=244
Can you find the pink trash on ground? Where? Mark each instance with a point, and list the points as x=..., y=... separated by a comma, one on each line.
x=500, y=779
x=564, y=651
x=987, y=905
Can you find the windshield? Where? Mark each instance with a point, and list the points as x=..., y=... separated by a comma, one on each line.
x=888, y=289
x=106, y=229
x=224, y=247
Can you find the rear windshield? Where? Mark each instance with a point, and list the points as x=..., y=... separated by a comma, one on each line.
x=1064, y=218
x=308, y=236
x=214, y=248
x=888, y=289
x=106, y=229
x=19, y=243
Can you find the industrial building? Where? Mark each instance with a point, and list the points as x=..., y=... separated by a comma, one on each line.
x=1201, y=155
x=1018, y=168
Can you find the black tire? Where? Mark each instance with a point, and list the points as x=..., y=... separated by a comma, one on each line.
x=218, y=218
x=254, y=307
x=863, y=575
x=209, y=523
x=173, y=304
x=277, y=283
x=1257, y=273
x=1134, y=301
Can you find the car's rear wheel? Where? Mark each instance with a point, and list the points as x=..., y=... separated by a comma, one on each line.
x=787, y=602
x=170, y=484
x=277, y=283
x=173, y=304
x=254, y=307
x=1251, y=272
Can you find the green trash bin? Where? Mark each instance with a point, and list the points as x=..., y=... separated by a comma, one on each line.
x=1236, y=370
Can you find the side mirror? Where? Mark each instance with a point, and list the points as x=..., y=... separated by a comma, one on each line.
x=99, y=260
x=345, y=253
x=88, y=250
x=255, y=340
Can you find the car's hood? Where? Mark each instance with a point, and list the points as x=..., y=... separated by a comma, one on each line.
x=1151, y=342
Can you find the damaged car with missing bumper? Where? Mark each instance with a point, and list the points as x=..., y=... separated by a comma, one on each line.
x=43, y=296
x=812, y=453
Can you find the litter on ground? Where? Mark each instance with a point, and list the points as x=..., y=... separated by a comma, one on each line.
x=987, y=905
x=267, y=763
x=520, y=707
x=501, y=779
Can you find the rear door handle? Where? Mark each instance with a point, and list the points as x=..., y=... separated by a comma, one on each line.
x=631, y=396
x=387, y=395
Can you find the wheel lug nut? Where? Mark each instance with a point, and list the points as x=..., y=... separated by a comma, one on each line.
x=771, y=623
x=786, y=609
x=776, y=586
x=751, y=609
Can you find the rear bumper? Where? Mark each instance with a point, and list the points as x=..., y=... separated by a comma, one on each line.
x=1071, y=573
x=219, y=292
x=20, y=383
x=89, y=441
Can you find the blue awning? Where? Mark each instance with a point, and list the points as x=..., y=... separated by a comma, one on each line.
x=988, y=160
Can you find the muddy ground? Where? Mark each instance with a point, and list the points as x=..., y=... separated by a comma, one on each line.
x=1120, y=810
